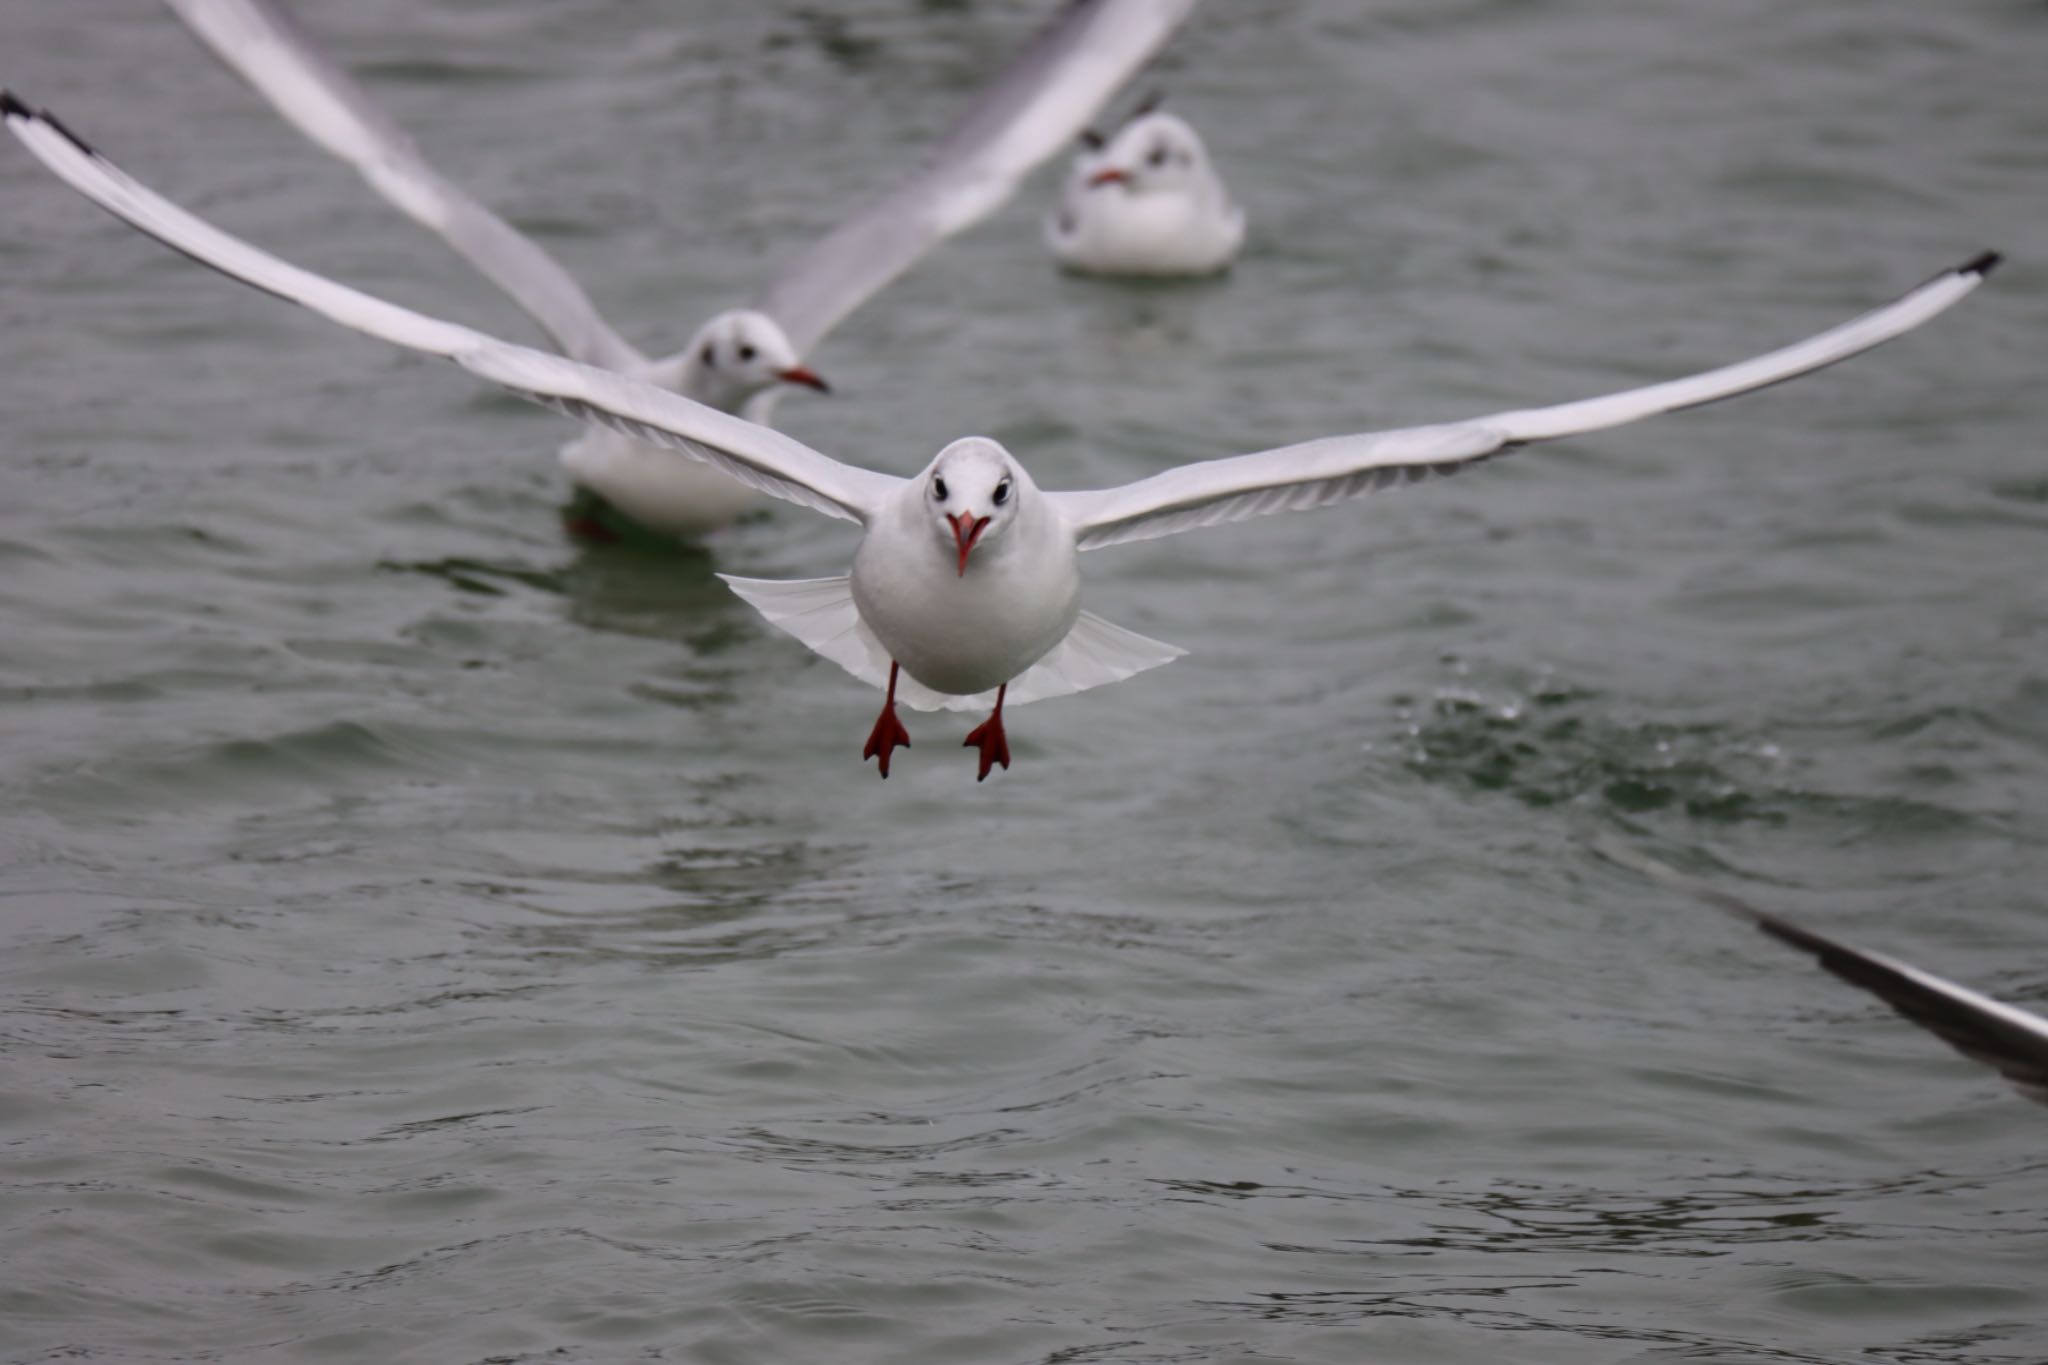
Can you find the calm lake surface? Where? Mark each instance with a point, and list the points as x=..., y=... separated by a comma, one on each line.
x=427, y=938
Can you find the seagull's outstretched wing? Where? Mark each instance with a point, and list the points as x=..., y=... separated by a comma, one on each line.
x=1036, y=106
x=2009, y=1040
x=271, y=52
x=1314, y=473
x=756, y=456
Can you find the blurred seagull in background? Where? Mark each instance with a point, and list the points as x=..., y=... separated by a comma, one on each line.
x=1145, y=201
x=2006, y=1038
x=743, y=358
x=965, y=589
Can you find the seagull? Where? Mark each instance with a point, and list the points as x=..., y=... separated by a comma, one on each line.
x=743, y=358
x=1145, y=202
x=2006, y=1038
x=965, y=588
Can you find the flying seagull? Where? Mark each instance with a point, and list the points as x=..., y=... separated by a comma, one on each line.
x=737, y=359
x=965, y=589
x=2006, y=1038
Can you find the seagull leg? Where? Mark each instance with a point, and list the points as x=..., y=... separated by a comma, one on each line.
x=888, y=731
x=989, y=738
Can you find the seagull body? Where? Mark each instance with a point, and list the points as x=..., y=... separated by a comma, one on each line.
x=743, y=358
x=734, y=361
x=1147, y=202
x=967, y=574
x=1015, y=587
x=643, y=482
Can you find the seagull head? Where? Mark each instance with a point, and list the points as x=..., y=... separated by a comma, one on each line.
x=972, y=492
x=1154, y=152
x=738, y=354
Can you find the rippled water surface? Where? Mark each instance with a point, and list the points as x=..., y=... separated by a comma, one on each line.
x=427, y=938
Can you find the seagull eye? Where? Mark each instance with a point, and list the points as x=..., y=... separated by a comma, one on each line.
x=939, y=489
x=747, y=353
x=1002, y=492
x=709, y=355
x=1158, y=157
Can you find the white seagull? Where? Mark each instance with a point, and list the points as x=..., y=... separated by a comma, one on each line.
x=1145, y=201
x=2006, y=1038
x=736, y=360
x=966, y=586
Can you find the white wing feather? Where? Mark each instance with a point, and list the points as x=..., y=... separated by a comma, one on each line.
x=1315, y=473
x=1039, y=104
x=1036, y=105
x=767, y=460
x=1286, y=479
x=267, y=48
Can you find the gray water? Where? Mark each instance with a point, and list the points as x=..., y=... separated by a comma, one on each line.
x=427, y=938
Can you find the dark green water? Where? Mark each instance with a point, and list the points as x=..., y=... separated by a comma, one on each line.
x=426, y=939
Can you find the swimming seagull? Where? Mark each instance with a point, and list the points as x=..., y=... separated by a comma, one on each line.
x=737, y=360
x=1145, y=201
x=2006, y=1038
x=965, y=590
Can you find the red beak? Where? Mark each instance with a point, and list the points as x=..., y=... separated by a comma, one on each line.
x=966, y=530
x=1112, y=176
x=799, y=375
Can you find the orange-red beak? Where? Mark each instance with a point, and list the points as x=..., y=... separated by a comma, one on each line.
x=1111, y=176
x=799, y=375
x=966, y=530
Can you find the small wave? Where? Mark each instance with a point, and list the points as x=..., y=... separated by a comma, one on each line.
x=1554, y=744
x=1545, y=743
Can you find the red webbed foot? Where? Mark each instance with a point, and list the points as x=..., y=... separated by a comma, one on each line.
x=888, y=732
x=990, y=739
x=887, y=735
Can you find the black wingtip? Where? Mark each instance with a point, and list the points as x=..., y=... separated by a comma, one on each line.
x=1980, y=266
x=12, y=108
